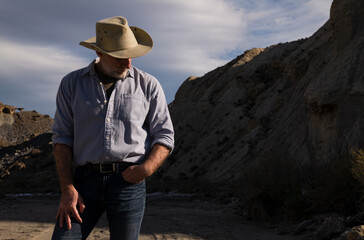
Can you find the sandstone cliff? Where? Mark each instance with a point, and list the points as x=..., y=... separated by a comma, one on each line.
x=301, y=100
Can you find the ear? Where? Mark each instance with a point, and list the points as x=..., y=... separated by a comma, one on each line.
x=99, y=54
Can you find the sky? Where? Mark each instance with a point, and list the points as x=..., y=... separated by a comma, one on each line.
x=39, y=39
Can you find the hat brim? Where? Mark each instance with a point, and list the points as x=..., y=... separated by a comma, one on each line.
x=145, y=45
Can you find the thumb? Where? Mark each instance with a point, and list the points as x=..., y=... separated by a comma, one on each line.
x=81, y=204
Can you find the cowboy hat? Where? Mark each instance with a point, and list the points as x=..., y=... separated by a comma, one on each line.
x=115, y=38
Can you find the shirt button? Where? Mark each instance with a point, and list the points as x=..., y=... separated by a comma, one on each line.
x=107, y=138
x=105, y=101
x=108, y=119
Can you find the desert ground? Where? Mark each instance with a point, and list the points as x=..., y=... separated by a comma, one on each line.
x=166, y=217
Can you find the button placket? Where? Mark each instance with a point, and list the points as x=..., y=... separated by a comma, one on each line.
x=107, y=144
x=108, y=126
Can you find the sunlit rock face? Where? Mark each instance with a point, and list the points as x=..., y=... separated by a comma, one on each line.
x=302, y=100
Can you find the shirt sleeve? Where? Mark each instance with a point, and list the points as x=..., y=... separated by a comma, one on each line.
x=160, y=123
x=63, y=120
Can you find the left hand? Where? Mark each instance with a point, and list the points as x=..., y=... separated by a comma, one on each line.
x=135, y=174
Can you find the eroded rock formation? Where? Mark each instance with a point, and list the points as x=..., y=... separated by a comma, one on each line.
x=303, y=100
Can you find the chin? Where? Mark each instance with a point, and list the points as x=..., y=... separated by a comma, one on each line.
x=119, y=75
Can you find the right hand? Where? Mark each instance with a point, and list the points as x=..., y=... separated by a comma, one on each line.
x=68, y=207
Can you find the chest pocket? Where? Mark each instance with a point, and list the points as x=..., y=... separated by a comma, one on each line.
x=132, y=107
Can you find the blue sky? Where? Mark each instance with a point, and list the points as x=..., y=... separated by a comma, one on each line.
x=39, y=39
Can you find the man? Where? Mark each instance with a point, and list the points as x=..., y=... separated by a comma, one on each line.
x=113, y=126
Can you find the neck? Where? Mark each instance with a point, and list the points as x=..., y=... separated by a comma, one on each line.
x=100, y=72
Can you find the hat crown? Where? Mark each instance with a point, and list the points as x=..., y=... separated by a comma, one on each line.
x=114, y=34
x=115, y=38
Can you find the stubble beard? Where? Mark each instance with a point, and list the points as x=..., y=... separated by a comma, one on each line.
x=124, y=74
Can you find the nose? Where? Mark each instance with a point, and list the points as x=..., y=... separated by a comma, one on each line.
x=126, y=63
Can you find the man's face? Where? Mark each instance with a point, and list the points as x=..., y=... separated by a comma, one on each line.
x=114, y=67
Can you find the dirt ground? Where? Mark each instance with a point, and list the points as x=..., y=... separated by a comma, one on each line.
x=178, y=218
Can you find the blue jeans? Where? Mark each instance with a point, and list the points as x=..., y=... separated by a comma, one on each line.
x=123, y=203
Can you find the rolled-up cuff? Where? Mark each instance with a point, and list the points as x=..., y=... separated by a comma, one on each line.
x=168, y=143
x=62, y=140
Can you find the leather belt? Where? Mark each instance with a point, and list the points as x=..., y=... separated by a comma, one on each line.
x=107, y=168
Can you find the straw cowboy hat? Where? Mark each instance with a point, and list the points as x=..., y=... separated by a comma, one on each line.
x=115, y=38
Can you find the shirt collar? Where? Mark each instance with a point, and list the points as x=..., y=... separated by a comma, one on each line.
x=90, y=69
x=131, y=72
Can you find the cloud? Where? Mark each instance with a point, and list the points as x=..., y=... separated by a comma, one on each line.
x=319, y=8
x=195, y=37
x=191, y=37
x=270, y=22
x=36, y=70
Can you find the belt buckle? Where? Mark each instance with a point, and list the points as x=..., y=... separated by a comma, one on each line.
x=103, y=170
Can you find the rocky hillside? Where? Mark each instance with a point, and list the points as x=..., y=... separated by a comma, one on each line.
x=274, y=112
x=18, y=126
x=26, y=161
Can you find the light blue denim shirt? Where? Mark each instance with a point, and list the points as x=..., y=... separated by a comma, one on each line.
x=125, y=128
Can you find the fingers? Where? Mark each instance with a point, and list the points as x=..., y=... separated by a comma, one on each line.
x=81, y=204
x=129, y=174
x=61, y=219
x=58, y=213
x=76, y=215
x=62, y=216
x=68, y=210
x=129, y=170
x=68, y=221
x=65, y=217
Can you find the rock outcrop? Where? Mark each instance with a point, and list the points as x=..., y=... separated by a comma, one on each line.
x=300, y=100
x=17, y=126
x=347, y=18
x=356, y=233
